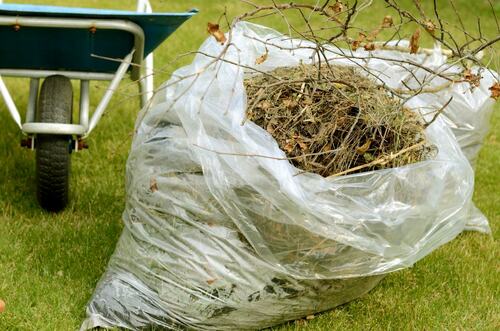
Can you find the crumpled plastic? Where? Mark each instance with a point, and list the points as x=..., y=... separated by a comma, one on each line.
x=468, y=113
x=222, y=233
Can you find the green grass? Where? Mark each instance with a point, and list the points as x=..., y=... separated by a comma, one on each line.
x=49, y=264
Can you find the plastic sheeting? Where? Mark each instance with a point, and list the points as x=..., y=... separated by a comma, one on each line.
x=220, y=234
x=469, y=112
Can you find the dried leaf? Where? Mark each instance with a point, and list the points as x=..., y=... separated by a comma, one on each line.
x=270, y=128
x=333, y=10
x=303, y=146
x=326, y=148
x=495, y=91
x=213, y=29
x=355, y=45
x=288, y=147
x=211, y=281
x=387, y=22
x=363, y=149
x=265, y=105
x=472, y=78
x=261, y=59
x=288, y=103
x=309, y=317
x=338, y=7
x=429, y=26
x=467, y=74
x=415, y=41
x=358, y=41
x=153, y=185
x=370, y=47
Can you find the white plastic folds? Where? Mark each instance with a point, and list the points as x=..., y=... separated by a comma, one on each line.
x=223, y=233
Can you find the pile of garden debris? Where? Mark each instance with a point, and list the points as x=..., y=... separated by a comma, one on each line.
x=333, y=120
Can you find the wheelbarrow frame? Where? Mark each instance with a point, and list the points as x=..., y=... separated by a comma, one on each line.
x=50, y=129
x=86, y=123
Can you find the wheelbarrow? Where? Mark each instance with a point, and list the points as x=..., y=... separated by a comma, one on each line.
x=60, y=44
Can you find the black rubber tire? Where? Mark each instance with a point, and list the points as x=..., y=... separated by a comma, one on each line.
x=55, y=105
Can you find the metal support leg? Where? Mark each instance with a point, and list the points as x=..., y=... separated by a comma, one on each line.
x=11, y=106
x=84, y=103
x=122, y=69
x=146, y=83
x=149, y=73
x=33, y=100
x=143, y=93
x=143, y=6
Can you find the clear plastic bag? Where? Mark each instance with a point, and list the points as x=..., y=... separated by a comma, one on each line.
x=221, y=233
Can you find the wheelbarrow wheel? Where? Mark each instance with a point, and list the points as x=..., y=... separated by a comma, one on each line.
x=55, y=105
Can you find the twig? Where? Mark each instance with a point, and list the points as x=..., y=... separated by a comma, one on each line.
x=266, y=156
x=383, y=160
x=438, y=112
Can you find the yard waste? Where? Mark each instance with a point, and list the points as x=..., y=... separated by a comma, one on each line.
x=224, y=232
x=331, y=120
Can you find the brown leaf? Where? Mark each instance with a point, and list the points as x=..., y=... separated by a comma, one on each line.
x=289, y=103
x=261, y=59
x=326, y=149
x=334, y=10
x=153, y=185
x=338, y=7
x=310, y=317
x=472, y=78
x=363, y=149
x=289, y=146
x=358, y=41
x=270, y=128
x=429, y=26
x=355, y=45
x=387, y=22
x=303, y=146
x=265, y=105
x=495, y=91
x=211, y=281
x=414, y=42
x=370, y=47
x=213, y=29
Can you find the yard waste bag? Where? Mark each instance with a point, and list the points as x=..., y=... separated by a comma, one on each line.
x=218, y=237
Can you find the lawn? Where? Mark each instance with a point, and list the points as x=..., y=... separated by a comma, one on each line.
x=50, y=263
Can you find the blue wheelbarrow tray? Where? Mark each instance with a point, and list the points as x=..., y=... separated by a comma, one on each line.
x=71, y=49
